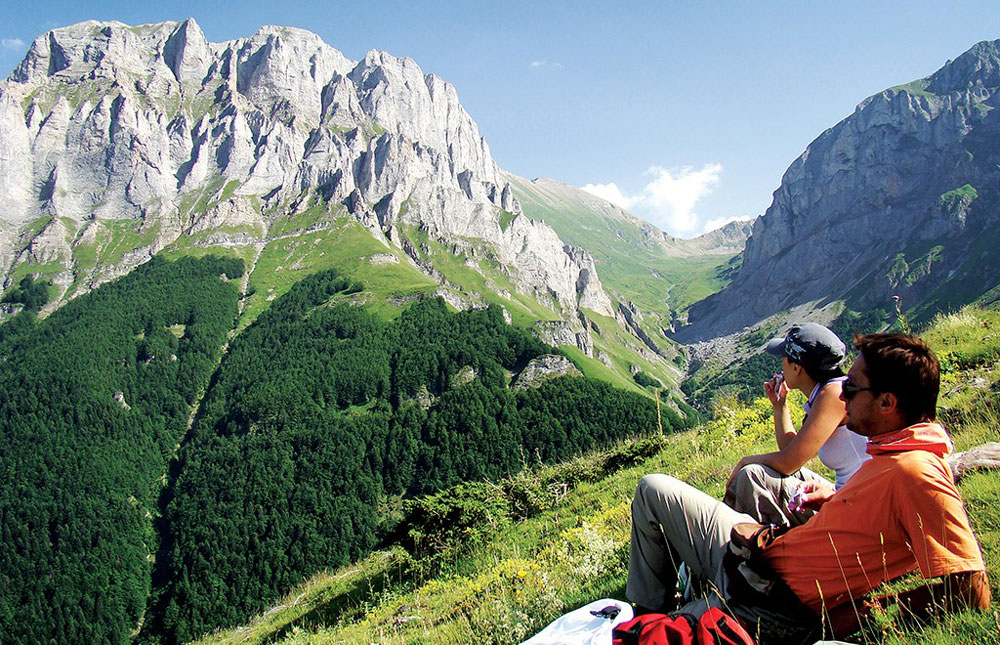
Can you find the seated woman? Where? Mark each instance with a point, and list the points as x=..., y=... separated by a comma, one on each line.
x=764, y=485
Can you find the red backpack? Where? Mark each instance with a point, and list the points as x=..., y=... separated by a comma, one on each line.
x=715, y=627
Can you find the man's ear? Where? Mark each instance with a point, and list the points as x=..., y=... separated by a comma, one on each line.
x=888, y=403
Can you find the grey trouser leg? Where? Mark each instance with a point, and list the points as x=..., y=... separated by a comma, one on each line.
x=763, y=493
x=673, y=522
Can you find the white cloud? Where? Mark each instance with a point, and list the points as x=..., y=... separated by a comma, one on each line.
x=544, y=64
x=13, y=44
x=611, y=193
x=671, y=196
x=668, y=200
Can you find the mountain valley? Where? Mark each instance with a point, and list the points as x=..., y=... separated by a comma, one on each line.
x=263, y=303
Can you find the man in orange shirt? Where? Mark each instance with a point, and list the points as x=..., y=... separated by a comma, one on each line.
x=899, y=513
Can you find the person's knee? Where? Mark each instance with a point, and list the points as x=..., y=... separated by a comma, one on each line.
x=741, y=480
x=757, y=472
x=654, y=484
x=656, y=492
x=744, y=484
x=753, y=474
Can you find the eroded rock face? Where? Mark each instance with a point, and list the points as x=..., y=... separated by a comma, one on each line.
x=152, y=123
x=912, y=168
x=559, y=332
x=543, y=368
x=464, y=376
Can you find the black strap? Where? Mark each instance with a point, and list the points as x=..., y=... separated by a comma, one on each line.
x=610, y=612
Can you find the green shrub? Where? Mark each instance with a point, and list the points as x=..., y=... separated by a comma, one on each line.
x=463, y=515
x=646, y=380
x=33, y=295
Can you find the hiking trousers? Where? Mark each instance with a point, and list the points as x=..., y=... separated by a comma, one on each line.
x=672, y=523
x=763, y=493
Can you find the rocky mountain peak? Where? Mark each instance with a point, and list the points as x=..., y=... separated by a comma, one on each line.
x=105, y=122
x=187, y=54
x=104, y=49
x=284, y=70
x=978, y=66
x=896, y=199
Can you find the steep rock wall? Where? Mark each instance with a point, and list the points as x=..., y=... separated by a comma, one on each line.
x=109, y=122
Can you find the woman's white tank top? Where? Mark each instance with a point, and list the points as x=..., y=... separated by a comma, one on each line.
x=844, y=451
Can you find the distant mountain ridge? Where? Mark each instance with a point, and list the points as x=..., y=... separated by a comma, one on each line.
x=653, y=276
x=900, y=198
x=726, y=240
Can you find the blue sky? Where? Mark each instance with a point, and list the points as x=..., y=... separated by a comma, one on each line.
x=689, y=112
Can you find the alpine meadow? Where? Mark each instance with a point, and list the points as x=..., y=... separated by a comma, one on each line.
x=286, y=356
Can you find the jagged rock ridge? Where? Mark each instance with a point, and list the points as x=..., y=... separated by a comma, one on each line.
x=152, y=123
x=900, y=198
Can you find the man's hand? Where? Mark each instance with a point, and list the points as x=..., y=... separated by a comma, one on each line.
x=955, y=592
x=814, y=495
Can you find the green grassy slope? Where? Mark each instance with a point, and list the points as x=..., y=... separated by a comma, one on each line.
x=323, y=236
x=506, y=581
x=630, y=260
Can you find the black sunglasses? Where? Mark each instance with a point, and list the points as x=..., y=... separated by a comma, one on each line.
x=850, y=389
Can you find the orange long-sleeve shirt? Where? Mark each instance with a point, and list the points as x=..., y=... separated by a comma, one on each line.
x=898, y=513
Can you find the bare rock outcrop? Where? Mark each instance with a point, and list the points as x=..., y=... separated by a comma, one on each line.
x=152, y=124
x=896, y=199
x=544, y=368
x=559, y=332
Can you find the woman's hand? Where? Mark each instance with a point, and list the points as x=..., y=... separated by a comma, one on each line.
x=776, y=390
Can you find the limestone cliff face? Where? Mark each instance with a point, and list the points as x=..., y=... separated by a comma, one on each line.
x=107, y=122
x=900, y=198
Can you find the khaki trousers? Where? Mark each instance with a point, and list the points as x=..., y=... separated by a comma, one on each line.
x=672, y=523
x=763, y=493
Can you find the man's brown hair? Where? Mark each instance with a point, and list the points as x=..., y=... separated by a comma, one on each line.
x=906, y=367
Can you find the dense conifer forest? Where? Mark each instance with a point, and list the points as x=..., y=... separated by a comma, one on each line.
x=321, y=413
x=95, y=397
x=321, y=417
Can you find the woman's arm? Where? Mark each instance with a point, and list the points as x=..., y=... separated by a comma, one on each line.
x=826, y=414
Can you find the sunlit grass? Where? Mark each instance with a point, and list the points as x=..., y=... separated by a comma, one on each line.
x=343, y=244
x=575, y=549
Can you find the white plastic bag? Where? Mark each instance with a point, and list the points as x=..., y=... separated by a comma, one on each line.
x=582, y=627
